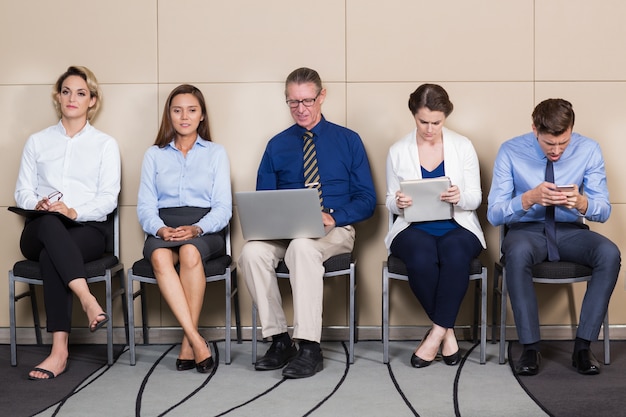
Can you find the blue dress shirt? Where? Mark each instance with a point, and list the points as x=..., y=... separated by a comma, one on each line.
x=202, y=179
x=520, y=166
x=344, y=169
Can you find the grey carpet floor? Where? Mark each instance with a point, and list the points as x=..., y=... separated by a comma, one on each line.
x=365, y=388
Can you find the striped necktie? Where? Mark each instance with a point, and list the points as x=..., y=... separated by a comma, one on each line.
x=311, y=173
x=550, y=225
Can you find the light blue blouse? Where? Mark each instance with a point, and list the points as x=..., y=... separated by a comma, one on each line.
x=201, y=179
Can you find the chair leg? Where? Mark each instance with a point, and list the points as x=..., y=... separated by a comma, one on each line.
x=477, y=300
x=385, y=313
x=503, y=305
x=124, y=303
x=229, y=288
x=130, y=298
x=236, y=306
x=144, y=314
x=13, y=330
x=254, y=338
x=352, y=323
x=495, y=293
x=109, y=310
x=36, y=321
x=483, y=318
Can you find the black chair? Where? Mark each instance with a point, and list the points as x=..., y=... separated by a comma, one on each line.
x=335, y=266
x=394, y=268
x=222, y=268
x=544, y=273
x=101, y=270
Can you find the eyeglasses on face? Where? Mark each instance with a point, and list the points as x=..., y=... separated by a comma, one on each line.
x=307, y=102
x=55, y=196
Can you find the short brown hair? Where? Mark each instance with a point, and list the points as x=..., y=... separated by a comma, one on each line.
x=431, y=96
x=167, y=131
x=302, y=76
x=92, y=84
x=553, y=116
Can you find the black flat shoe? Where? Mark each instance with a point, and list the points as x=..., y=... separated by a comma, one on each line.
x=453, y=359
x=528, y=363
x=206, y=365
x=416, y=361
x=185, y=364
x=585, y=362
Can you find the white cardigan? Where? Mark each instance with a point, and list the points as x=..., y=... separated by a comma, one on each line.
x=461, y=166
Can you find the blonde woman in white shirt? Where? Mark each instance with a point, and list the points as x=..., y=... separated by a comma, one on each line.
x=437, y=253
x=73, y=169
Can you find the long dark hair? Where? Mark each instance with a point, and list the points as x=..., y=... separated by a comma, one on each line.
x=167, y=131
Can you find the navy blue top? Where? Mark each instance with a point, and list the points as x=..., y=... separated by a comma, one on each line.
x=344, y=169
x=436, y=227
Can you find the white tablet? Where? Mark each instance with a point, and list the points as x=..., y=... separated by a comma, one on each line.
x=426, y=195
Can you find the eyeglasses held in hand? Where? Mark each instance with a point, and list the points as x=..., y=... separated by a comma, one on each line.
x=307, y=102
x=55, y=196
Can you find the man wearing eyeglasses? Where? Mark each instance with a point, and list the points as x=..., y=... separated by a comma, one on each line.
x=336, y=164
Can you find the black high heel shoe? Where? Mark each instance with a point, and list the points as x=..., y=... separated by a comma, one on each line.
x=206, y=365
x=453, y=359
x=416, y=361
x=185, y=364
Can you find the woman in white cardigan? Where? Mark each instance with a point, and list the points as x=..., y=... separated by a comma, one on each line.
x=437, y=253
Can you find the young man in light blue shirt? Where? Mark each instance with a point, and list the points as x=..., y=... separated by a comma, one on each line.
x=523, y=195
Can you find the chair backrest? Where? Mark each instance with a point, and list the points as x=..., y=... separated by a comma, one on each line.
x=112, y=233
x=390, y=219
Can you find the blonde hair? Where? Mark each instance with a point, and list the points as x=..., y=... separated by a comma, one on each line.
x=92, y=84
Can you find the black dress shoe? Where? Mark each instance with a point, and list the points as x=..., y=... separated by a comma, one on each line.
x=585, y=362
x=528, y=363
x=277, y=356
x=205, y=366
x=185, y=364
x=453, y=359
x=308, y=362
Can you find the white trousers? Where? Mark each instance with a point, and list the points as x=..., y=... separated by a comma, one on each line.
x=304, y=258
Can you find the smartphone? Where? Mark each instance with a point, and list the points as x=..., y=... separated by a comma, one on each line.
x=565, y=188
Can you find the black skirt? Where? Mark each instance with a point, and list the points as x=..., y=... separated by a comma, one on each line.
x=210, y=245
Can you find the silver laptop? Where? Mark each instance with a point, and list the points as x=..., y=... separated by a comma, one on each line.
x=280, y=214
x=426, y=195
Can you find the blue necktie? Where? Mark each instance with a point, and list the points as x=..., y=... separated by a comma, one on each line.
x=550, y=226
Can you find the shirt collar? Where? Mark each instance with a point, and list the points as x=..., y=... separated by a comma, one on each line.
x=317, y=129
x=199, y=141
x=61, y=129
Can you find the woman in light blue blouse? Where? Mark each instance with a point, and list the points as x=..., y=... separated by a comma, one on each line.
x=184, y=204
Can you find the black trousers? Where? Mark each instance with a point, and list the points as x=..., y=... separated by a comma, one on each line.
x=61, y=252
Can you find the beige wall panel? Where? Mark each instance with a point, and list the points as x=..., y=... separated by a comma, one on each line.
x=116, y=39
x=484, y=40
x=580, y=40
x=247, y=40
x=600, y=109
x=25, y=110
x=130, y=114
